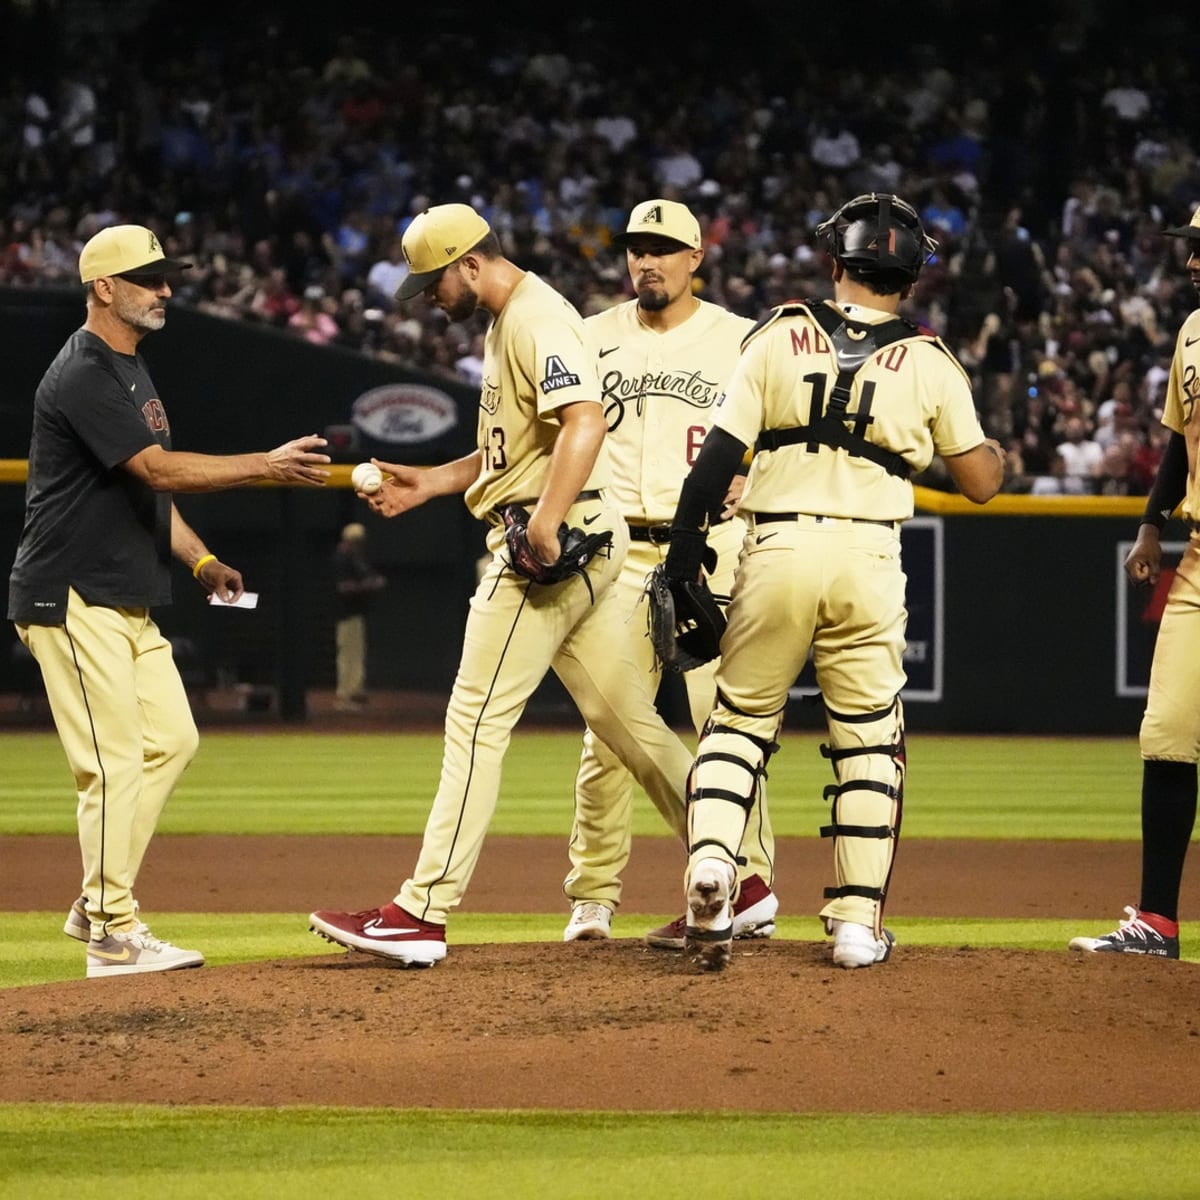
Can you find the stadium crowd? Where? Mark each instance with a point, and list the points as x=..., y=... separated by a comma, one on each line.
x=287, y=161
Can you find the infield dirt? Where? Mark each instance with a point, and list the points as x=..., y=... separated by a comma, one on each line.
x=613, y=1025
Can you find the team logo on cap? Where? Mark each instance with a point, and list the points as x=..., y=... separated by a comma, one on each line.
x=653, y=216
x=155, y=248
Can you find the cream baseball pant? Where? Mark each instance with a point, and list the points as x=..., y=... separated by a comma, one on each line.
x=124, y=721
x=516, y=631
x=601, y=836
x=1170, y=729
x=351, y=656
x=835, y=588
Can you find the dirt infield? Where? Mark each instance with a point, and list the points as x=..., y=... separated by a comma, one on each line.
x=613, y=1025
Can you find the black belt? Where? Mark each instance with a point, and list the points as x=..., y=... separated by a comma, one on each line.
x=767, y=518
x=656, y=535
x=590, y=494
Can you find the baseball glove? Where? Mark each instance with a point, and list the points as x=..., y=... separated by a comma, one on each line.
x=577, y=549
x=686, y=622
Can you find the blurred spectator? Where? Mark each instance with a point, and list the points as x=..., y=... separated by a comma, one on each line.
x=1080, y=453
x=386, y=275
x=311, y=320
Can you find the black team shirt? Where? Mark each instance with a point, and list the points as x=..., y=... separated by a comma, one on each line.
x=89, y=524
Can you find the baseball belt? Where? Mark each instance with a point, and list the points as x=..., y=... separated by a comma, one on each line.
x=590, y=494
x=656, y=535
x=767, y=518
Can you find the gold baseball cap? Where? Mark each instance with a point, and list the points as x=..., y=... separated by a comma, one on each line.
x=1190, y=230
x=436, y=238
x=126, y=250
x=662, y=218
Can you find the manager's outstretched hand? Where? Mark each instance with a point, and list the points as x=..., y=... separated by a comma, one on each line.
x=298, y=461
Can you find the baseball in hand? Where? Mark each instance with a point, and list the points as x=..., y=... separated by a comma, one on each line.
x=366, y=477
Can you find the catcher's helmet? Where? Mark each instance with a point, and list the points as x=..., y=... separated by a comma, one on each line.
x=878, y=234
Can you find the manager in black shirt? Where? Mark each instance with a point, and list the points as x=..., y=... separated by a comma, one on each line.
x=100, y=530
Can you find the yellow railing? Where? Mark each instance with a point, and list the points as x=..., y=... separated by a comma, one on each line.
x=14, y=470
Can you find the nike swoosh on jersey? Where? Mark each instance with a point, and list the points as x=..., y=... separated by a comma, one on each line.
x=610, y=350
x=380, y=931
x=593, y=517
x=1186, y=341
x=109, y=957
x=762, y=537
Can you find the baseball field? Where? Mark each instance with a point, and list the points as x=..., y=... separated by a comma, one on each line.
x=983, y=1060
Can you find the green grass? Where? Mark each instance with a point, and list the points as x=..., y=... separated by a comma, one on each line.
x=51, y=1151
x=32, y=950
x=312, y=783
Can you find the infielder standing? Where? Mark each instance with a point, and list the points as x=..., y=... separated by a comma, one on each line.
x=1170, y=731
x=842, y=402
x=94, y=558
x=664, y=358
x=540, y=444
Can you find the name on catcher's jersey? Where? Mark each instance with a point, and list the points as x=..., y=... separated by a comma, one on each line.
x=1181, y=412
x=535, y=361
x=660, y=392
x=912, y=398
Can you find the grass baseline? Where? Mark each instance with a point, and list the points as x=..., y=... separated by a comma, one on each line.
x=33, y=949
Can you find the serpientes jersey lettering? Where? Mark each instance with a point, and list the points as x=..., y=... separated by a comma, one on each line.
x=1181, y=412
x=658, y=411
x=912, y=397
x=535, y=361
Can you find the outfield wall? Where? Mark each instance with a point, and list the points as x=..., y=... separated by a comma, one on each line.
x=1020, y=620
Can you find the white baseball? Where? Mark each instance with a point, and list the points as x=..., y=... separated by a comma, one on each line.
x=366, y=477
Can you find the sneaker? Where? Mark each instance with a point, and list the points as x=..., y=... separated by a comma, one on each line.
x=590, y=922
x=388, y=932
x=134, y=952
x=708, y=935
x=1134, y=936
x=857, y=946
x=77, y=925
x=753, y=917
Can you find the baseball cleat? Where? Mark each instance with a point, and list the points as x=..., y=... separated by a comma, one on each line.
x=1134, y=936
x=753, y=917
x=590, y=922
x=857, y=946
x=708, y=936
x=135, y=952
x=387, y=932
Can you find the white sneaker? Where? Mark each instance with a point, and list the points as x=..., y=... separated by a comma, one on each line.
x=857, y=946
x=590, y=922
x=708, y=937
x=135, y=952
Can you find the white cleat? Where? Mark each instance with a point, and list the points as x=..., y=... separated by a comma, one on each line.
x=708, y=937
x=590, y=922
x=857, y=946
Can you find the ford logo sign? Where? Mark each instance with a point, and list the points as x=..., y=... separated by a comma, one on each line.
x=404, y=413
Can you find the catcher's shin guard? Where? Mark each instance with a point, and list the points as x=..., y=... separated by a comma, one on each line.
x=867, y=753
x=721, y=790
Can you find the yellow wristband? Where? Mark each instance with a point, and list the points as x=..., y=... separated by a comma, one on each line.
x=206, y=559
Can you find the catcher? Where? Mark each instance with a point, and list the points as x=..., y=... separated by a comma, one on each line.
x=842, y=402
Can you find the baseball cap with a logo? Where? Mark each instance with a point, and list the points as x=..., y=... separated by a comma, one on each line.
x=1191, y=230
x=665, y=219
x=436, y=238
x=131, y=250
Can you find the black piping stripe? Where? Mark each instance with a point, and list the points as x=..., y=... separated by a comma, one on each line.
x=99, y=763
x=860, y=718
x=462, y=804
